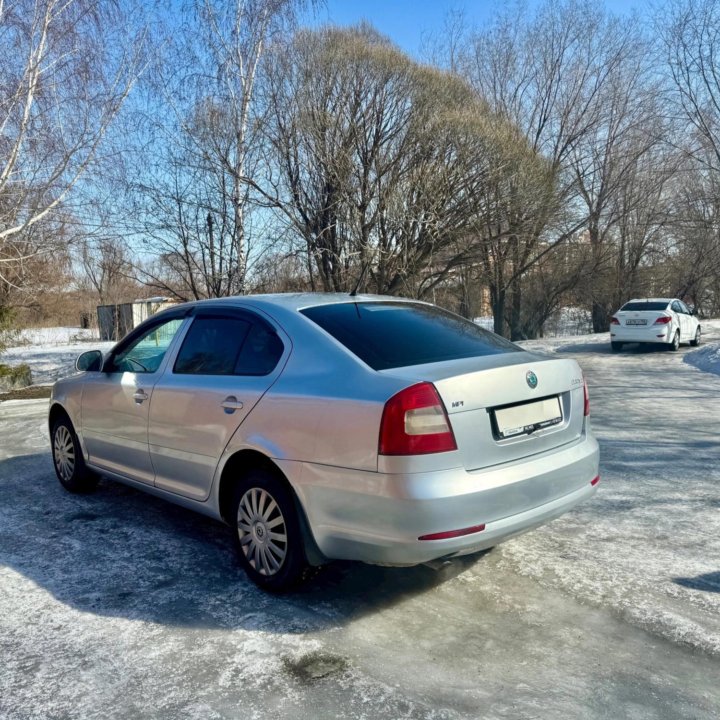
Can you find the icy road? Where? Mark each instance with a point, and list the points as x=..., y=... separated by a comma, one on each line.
x=117, y=605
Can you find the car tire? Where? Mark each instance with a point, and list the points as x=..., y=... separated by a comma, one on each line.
x=616, y=346
x=696, y=341
x=266, y=531
x=68, y=459
x=675, y=344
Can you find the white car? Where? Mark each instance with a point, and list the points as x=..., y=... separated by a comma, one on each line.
x=666, y=321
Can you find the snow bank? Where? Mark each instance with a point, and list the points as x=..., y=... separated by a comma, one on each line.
x=51, y=352
x=55, y=336
x=706, y=359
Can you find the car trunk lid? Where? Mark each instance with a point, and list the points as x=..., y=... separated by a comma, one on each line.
x=503, y=408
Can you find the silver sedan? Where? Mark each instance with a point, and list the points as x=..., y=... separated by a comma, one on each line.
x=331, y=427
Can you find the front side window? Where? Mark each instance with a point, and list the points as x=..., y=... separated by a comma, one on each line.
x=146, y=353
x=388, y=335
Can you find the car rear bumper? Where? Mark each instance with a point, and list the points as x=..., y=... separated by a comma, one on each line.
x=640, y=334
x=379, y=518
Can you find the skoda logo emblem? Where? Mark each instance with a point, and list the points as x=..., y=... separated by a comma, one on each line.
x=531, y=378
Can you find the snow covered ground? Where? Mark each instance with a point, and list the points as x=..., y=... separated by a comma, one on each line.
x=51, y=352
x=117, y=605
x=649, y=545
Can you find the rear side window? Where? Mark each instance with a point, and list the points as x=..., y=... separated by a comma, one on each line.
x=260, y=352
x=228, y=346
x=642, y=305
x=388, y=335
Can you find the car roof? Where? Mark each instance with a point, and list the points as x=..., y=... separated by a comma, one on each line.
x=293, y=301
x=663, y=300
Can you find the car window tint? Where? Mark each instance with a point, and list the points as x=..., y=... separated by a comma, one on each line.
x=644, y=305
x=260, y=352
x=388, y=335
x=211, y=346
x=147, y=352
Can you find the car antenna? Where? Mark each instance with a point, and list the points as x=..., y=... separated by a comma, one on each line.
x=361, y=279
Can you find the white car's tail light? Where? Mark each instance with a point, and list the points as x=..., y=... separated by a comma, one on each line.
x=586, y=397
x=663, y=320
x=414, y=422
x=614, y=321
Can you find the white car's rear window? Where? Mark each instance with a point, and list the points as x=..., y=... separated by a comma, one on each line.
x=644, y=305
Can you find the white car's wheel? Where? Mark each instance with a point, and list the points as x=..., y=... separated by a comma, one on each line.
x=696, y=341
x=675, y=344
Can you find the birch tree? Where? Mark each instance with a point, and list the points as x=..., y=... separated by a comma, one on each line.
x=67, y=67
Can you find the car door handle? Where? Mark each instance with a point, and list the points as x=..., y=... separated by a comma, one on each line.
x=231, y=404
x=140, y=396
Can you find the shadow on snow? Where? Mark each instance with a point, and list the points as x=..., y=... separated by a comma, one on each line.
x=120, y=552
x=709, y=582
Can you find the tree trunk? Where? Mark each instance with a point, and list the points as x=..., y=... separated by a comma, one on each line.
x=497, y=299
x=599, y=318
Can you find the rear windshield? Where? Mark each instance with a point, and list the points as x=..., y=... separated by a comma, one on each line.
x=388, y=335
x=645, y=305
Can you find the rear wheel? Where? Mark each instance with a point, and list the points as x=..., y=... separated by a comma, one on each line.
x=696, y=341
x=616, y=346
x=267, y=532
x=675, y=344
x=68, y=460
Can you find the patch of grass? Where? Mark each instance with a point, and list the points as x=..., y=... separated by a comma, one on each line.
x=34, y=392
x=14, y=372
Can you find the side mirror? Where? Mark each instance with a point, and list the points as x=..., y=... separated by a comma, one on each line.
x=90, y=361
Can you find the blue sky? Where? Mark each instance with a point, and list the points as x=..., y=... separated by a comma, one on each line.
x=405, y=21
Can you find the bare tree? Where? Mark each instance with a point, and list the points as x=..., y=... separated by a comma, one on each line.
x=382, y=163
x=553, y=73
x=67, y=67
x=691, y=43
x=107, y=268
x=189, y=184
x=689, y=30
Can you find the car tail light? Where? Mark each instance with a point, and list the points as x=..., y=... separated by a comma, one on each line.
x=595, y=480
x=586, y=397
x=414, y=422
x=663, y=320
x=614, y=321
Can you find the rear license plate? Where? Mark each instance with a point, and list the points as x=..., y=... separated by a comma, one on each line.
x=527, y=418
x=636, y=322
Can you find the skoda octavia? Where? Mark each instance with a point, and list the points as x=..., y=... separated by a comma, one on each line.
x=331, y=427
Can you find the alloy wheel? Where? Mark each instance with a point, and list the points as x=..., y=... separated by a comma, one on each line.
x=64, y=453
x=262, y=531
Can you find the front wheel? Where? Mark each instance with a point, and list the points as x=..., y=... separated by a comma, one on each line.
x=267, y=532
x=675, y=344
x=69, y=463
x=696, y=341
